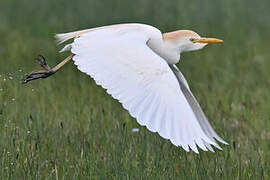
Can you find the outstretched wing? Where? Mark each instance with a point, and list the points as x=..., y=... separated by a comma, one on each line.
x=195, y=106
x=119, y=60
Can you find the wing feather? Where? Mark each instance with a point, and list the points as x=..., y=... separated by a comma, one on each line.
x=202, y=119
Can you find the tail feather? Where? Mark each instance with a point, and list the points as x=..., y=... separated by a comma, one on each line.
x=62, y=37
x=66, y=48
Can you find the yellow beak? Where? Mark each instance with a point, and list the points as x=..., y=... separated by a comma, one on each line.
x=207, y=40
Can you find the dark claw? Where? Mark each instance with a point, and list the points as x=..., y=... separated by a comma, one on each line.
x=47, y=72
x=37, y=75
x=42, y=62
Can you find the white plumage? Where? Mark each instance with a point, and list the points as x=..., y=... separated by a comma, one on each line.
x=135, y=64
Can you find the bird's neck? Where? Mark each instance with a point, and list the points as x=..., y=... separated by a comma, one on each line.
x=167, y=50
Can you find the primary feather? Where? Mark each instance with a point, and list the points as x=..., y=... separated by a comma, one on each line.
x=120, y=59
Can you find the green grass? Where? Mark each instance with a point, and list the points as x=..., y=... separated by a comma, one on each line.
x=67, y=127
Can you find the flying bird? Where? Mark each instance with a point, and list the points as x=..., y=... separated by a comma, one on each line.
x=136, y=64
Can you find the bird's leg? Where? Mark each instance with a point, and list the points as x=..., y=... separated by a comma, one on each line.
x=47, y=72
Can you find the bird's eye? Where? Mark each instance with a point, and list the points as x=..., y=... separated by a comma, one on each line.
x=192, y=40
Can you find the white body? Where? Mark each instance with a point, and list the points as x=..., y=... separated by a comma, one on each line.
x=135, y=63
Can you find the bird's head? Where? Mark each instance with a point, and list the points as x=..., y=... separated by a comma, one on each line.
x=187, y=40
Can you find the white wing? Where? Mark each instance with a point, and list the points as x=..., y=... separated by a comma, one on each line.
x=202, y=119
x=120, y=61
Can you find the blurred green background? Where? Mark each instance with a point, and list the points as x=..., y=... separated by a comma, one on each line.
x=67, y=127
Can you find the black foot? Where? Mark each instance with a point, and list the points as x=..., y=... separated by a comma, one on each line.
x=42, y=62
x=41, y=73
x=37, y=75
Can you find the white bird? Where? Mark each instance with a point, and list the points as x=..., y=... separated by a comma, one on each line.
x=135, y=63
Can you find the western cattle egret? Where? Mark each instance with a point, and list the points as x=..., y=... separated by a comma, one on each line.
x=135, y=63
